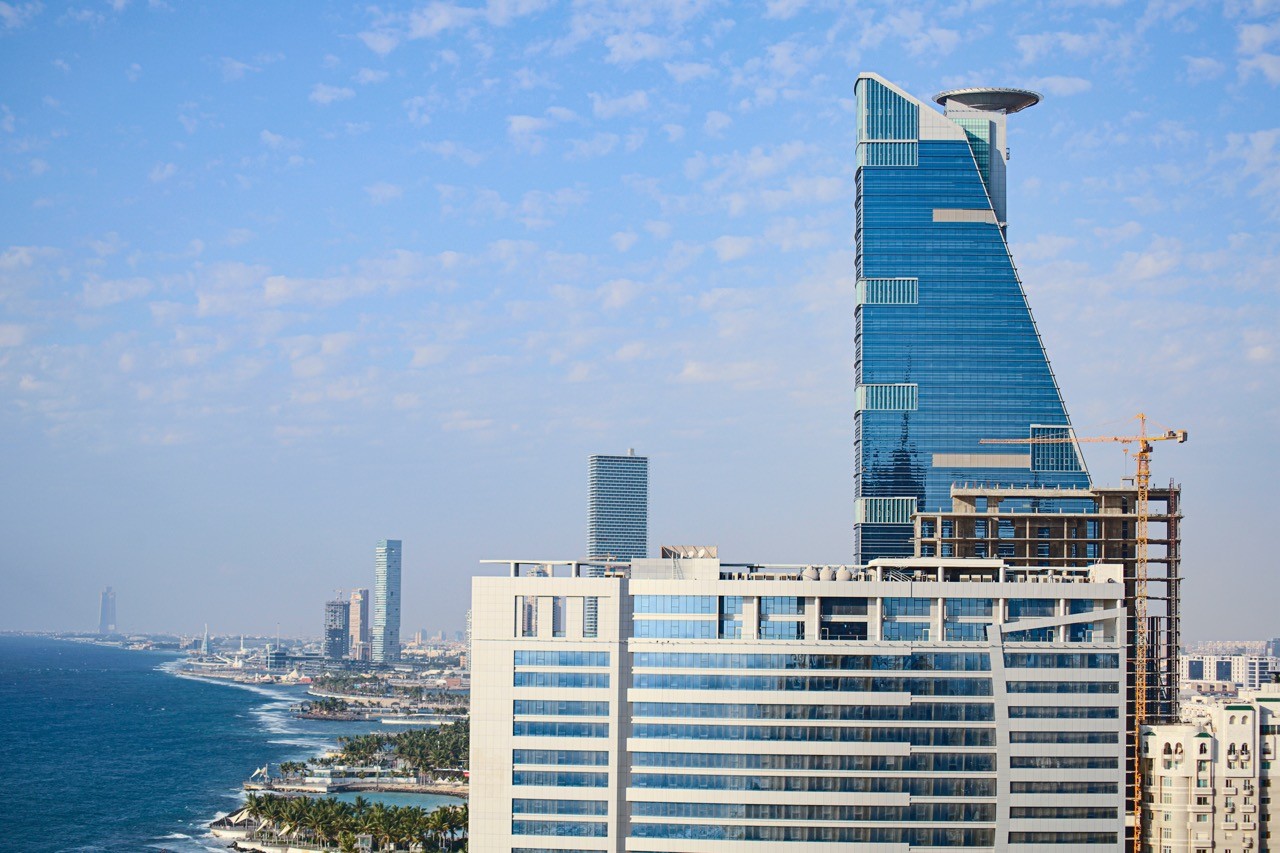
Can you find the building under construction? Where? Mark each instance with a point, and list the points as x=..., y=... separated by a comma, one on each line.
x=1031, y=526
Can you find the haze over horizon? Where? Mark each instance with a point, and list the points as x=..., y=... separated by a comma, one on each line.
x=276, y=286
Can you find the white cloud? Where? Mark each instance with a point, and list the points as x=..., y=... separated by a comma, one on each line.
x=731, y=248
x=454, y=150
x=133, y=73
x=38, y=167
x=428, y=354
x=7, y=123
x=1267, y=64
x=234, y=69
x=365, y=76
x=686, y=72
x=597, y=146
x=417, y=110
x=1044, y=247
x=784, y=9
x=524, y=131
x=1255, y=38
x=1259, y=153
x=238, y=237
x=381, y=42
x=716, y=123
x=163, y=172
x=603, y=107
x=624, y=240
x=674, y=132
x=737, y=373
x=12, y=335
x=1203, y=67
x=628, y=48
x=383, y=192
x=323, y=93
x=275, y=141
x=102, y=293
x=15, y=15
x=618, y=293
x=436, y=18
x=1060, y=86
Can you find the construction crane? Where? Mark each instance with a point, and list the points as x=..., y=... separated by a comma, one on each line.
x=1142, y=640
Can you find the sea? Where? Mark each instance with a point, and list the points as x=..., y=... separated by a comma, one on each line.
x=107, y=749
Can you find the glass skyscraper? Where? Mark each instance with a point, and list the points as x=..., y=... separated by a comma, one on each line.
x=947, y=352
x=386, y=601
x=618, y=507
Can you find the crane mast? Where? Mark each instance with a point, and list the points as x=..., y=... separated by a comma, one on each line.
x=1141, y=630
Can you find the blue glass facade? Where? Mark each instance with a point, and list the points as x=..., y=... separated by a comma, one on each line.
x=947, y=351
x=618, y=507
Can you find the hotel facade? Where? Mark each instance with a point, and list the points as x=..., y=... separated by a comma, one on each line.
x=910, y=703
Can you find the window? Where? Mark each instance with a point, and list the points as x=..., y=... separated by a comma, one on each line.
x=558, y=607
x=907, y=607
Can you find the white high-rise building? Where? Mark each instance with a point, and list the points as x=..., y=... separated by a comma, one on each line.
x=386, y=602
x=1209, y=778
x=911, y=703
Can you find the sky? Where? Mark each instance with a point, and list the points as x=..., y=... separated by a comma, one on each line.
x=280, y=280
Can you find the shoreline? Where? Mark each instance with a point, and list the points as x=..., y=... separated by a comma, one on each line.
x=461, y=792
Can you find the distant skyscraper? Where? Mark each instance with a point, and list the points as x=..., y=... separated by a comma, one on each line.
x=386, y=601
x=360, y=624
x=946, y=350
x=337, y=629
x=618, y=507
x=107, y=612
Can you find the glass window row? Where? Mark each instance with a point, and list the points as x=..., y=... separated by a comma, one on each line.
x=560, y=778
x=973, y=712
x=560, y=828
x=544, y=657
x=914, y=813
x=916, y=762
x=558, y=728
x=918, y=661
x=561, y=679
x=552, y=707
x=1064, y=737
x=916, y=837
x=829, y=683
x=593, y=808
x=1063, y=762
x=915, y=786
x=1063, y=687
x=561, y=757
x=1061, y=660
x=834, y=734
x=1063, y=712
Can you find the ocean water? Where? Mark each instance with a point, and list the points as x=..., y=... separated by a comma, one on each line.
x=103, y=749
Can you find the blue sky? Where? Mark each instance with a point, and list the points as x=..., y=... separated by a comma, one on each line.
x=277, y=281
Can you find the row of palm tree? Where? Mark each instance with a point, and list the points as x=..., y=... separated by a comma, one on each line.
x=424, y=750
x=332, y=824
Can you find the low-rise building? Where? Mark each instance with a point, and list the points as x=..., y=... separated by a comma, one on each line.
x=916, y=703
x=1243, y=671
x=1209, y=778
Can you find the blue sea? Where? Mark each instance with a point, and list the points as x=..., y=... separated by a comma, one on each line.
x=104, y=749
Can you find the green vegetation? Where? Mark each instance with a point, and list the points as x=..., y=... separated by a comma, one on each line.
x=442, y=750
x=325, y=706
x=329, y=824
x=375, y=687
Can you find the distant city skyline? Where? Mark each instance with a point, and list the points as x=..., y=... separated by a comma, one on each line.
x=272, y=285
